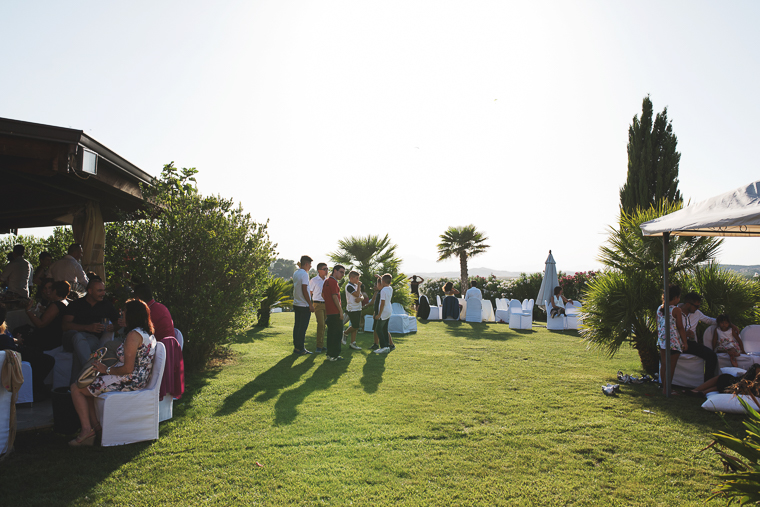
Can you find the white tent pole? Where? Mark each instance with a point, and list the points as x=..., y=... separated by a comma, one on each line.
x=666, y=310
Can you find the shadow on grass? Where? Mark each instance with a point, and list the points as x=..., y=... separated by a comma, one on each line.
x=256, y=334
x=326, y=374
x=63, y=474
x=481, y=330
x=269, y=383
x=372, y=372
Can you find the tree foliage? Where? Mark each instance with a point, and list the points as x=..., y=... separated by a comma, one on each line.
x=278, y=294
x=370, y=256
x=283, y=268
x=206, y=259
x=620, y=302
x=463, y=243
x=652, y=161
x=56, y=245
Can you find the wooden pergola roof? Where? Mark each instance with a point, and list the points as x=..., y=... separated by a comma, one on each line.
x=41, y=171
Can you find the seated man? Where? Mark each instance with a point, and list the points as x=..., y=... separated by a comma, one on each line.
x=85, y=321
x=473, y=292
x=41, y=363
x=692, y=316
x=159, y=314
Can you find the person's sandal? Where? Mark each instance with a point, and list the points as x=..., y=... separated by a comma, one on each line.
x=88, y=440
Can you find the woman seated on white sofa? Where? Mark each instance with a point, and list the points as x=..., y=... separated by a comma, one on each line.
x=131, y=373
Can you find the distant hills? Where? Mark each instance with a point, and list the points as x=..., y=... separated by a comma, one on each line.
x=748, y=271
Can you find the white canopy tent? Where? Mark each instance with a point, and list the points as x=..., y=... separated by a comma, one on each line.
x=548, y=283
x=734, y=213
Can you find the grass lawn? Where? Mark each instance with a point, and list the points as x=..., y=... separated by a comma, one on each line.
x=458, y=414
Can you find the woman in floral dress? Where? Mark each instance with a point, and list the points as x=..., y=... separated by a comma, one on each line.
x=677, y=334
x=131, y=373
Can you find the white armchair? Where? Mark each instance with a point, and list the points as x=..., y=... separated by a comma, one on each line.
x=519, y=318
x=724, y=361
x=558, y=323
x=132, y=416
x=502, y=311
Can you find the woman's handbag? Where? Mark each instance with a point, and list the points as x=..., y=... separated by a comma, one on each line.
x=106, y=355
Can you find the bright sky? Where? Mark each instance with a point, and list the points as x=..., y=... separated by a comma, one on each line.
x=334, y=119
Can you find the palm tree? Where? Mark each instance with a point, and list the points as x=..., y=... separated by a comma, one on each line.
x=370, y=256
x=463, y=242
x=620, y=302
x=278, y=294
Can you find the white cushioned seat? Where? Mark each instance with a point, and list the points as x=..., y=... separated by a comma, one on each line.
x=400, y=322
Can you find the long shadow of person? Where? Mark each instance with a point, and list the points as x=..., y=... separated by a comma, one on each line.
x=269, y=383
x=326, y=374
x=372, y=373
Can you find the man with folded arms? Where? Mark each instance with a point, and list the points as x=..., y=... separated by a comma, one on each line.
x=84, y=324
x=18, y=273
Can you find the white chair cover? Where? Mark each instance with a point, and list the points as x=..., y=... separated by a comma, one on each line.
x=26, y=393
x=689, y=372
x=724, y=360
x=750, y=336
x=518, y=318
x=558, y=323
x=180, y=338
x=400, y=322
x=5, y=410
x=474, y=311
x=488, y=315
x=368, y=321
x=132, y=416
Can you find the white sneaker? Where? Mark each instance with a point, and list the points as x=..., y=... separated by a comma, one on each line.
x=383, y=350
x=343, y=340
x=354, y=346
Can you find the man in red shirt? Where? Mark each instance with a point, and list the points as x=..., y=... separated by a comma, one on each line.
x=334, y=312
x=159, y=314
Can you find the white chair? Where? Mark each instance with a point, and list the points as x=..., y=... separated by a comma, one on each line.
x=474, y=311
x=132, y=416
x=61, y=374
x=400, y=322
x=519, y=319
x=435, y=312
x=724, y=360
x=487, y=311
x=750, y=336
x=502, y=311
x=26, y=393
x=368, y=322
x=689, y=372
x=558, y=323
x=180, y=338
x=572, y=313
x=5, y=410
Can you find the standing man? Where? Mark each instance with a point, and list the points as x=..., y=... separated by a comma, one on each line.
x=692, y=316
x=384, y=315
x=415, y=282
x=18, y=273
x=302, y=305
x=334, y=311
x=315, y=288
x=68, y=269
x=473, y=292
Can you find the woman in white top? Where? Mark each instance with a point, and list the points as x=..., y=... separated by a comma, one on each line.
x=558, y=302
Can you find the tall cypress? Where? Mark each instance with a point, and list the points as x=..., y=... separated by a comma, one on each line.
x=652, y=161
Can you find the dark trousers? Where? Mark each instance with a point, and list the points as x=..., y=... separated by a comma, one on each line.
x=303, y=315
x=334, y=334
x=382, y=332
x=706, y=353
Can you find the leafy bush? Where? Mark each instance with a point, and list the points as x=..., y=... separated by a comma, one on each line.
x=278, y=294
x=741, y=477
x=206, y=259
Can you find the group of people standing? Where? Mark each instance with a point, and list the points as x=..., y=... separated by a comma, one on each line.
x=322, y=296
x=683, y=321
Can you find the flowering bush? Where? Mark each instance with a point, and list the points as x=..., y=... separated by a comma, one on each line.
x=574, y=286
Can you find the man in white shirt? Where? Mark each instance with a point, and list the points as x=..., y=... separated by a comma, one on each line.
x=384, y=314
x=68, y=269
x=302, y=305
x=473, y=292
x=692, y=316
x=18, y=273
x=315, y=288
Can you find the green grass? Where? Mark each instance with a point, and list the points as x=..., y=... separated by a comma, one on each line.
x=459, y=414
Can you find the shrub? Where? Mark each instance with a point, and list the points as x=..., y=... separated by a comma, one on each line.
x=206, y=259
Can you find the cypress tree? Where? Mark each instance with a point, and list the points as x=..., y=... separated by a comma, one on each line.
x=652, y=161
